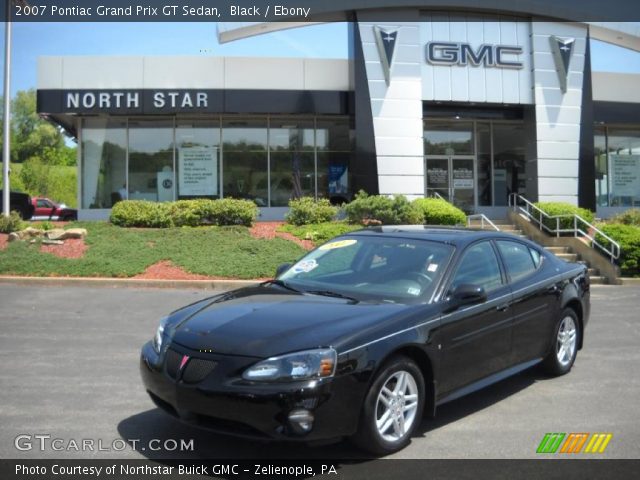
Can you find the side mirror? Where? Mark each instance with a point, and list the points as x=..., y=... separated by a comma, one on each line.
x=282, y=268
x=466, y=294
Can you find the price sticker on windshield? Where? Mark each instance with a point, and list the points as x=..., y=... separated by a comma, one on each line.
x=338, y=244
x=305, y=266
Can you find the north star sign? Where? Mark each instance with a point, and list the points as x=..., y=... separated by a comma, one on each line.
x=463, y=54
x=128, y=100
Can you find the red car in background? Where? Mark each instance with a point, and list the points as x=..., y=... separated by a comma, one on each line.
x=45, y=209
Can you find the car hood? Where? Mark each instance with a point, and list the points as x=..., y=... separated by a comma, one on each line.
x=266, y=321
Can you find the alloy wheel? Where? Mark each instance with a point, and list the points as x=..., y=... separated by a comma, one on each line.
x=566, y=341
x=396, y=406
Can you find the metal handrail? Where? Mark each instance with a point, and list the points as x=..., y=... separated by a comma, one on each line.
x=483, y=219
x=437, y=195
x=536, y=215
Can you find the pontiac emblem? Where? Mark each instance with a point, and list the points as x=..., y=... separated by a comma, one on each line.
x=561, y=49
x=386, y=42
x=183, y=362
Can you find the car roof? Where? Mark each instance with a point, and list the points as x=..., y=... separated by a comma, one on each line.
x=452, y=235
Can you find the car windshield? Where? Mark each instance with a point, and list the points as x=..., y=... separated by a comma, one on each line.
x=371, y=268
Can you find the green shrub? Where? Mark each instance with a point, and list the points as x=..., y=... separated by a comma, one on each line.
x=231, y=211
x=437, y=211
x=141, y=213
x=191, y=213
x=561, y=208
x=380, y=209
x=628, y=236
x=319, y=233
x=46, y=225
x=306, y=210
x=12, y=223
x=628, y=217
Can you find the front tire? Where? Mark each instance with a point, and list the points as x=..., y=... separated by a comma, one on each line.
x=392, y=408
x=565, y=344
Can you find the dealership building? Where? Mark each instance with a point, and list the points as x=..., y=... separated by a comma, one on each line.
x=469, y=105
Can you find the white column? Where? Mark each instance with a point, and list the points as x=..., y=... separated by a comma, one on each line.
x=557, y=113
x=397, y=107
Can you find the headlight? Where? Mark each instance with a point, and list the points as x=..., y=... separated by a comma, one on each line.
x=304, y=365
x=159, y=336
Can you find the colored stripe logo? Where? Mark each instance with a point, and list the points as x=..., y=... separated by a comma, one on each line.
x=574, y=443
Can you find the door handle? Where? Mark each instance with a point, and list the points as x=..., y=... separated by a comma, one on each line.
x=503, y=308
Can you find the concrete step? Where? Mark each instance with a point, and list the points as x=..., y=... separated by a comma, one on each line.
x=597, y=280
x=568, y=257
x=558, y=249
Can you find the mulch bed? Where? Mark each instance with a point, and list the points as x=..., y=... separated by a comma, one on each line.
x=165, y=270
x=72, y=248
x=268, y=230
x=4, y=240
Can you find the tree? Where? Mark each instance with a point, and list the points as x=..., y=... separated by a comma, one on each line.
x=32, y=136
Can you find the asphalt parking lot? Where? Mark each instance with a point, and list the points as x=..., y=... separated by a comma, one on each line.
x=69, y=361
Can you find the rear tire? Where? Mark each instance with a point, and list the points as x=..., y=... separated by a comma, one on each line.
x=393, y=407
x=564, y=347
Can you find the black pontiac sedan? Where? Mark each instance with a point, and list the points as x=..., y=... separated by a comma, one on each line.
x=366, y=334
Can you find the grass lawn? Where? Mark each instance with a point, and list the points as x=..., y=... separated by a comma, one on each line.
x=319, y=233
x=124, y=252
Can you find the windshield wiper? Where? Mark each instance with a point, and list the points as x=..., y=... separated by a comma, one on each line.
x=281, y=283
x=329, y=293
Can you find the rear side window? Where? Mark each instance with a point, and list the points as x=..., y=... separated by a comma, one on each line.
x=479, y=266
x=519, y=259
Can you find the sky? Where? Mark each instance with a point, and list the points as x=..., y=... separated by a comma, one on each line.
x=31, y=40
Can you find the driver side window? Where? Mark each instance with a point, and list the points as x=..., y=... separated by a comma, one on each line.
x=479, y=267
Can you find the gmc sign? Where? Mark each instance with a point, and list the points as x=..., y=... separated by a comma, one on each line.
x=463, y=54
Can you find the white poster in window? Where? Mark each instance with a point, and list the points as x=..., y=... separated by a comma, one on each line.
x=625, y=175
x=198, y=171
x=462, y=178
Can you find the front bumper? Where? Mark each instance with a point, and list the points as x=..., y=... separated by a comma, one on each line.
x=225, y=403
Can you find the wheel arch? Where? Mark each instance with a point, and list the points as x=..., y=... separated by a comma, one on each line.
x=425, y=364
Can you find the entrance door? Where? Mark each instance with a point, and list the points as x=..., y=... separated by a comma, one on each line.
x=453, y=178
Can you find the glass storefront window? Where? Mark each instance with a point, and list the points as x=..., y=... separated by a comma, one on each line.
x=448, y=138
x=151, y=173
x=623, y=147
x=602, y=176
x=245, y=171
x=333, y=176
x=333, y=135
x=485, y=171
x=104, y=157
x=508, y=161
x=292, y=159
x=334, y=141
x=269, y=160
x=198, y=159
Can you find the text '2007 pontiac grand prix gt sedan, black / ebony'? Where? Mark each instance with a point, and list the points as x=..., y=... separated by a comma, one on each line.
x=367, y=333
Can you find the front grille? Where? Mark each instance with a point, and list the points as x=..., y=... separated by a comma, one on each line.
x=173, y=363
x=197, y=370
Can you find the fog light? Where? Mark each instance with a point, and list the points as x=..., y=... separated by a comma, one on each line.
x=308, y=403
x=301, y=420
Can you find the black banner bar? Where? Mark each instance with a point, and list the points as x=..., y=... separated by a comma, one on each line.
x=547, y=469
x=303, y=10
